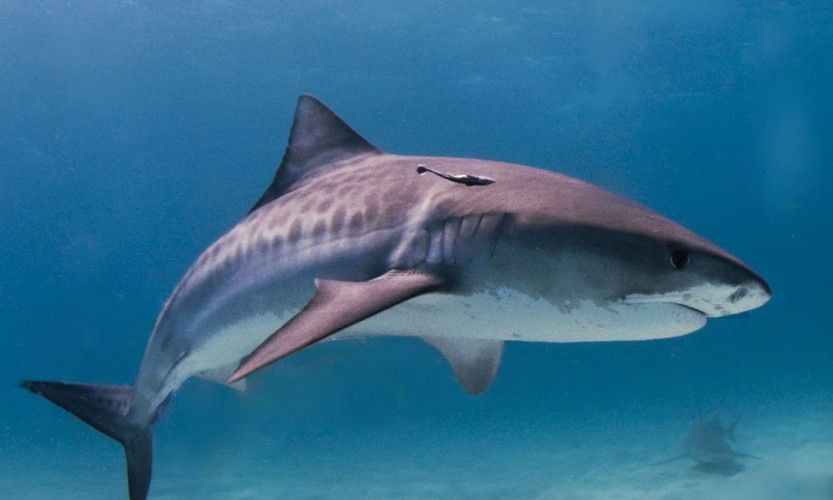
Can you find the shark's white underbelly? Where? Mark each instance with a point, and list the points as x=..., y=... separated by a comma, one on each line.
x=217, y=357
x=504, y=314
x=507, y=314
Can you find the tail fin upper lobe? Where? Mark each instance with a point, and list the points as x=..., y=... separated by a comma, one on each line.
x=105, y=407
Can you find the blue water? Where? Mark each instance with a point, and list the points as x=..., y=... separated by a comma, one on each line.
x=134, y=133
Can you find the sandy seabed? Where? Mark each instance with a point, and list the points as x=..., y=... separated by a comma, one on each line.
x=593, y=461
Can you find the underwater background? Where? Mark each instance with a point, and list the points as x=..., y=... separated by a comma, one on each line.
x=134, y=133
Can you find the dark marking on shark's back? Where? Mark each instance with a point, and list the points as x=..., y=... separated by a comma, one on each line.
x=345, y=189
x=319, y=229
x=371, y=207
x=356, y=223
x=308, y=204
x=295, y=231
x=263, y=245
x=324, y=205
x=337, y=221
x=277, y=243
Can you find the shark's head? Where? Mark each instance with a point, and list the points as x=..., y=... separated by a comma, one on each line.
x=692, y=272
x=698, y=274
x=674, y=266
x=655, y=275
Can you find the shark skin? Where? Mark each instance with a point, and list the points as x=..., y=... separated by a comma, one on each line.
x=351, y=242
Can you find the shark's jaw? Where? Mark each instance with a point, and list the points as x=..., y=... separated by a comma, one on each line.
x=710, y=300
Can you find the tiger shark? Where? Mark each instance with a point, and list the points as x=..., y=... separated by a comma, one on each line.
x=349, y=241
x=709, y=444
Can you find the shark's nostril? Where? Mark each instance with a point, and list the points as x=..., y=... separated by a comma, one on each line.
x=738, y=294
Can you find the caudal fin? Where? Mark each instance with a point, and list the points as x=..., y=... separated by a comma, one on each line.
x=105, y=407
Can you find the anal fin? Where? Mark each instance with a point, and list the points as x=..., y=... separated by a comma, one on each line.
x=335, y=306
x=475, y=361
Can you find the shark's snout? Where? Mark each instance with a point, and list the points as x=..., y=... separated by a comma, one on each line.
x=719, y=284
x=713, y=300
x=749, y=295
x=725, y=300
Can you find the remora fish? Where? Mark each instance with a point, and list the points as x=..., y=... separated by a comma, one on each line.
x=463, y=253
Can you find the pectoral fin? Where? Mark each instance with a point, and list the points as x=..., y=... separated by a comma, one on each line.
x=474, y=361
x=337, y=305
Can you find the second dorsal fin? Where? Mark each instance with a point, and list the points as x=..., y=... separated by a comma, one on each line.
x=318, y=138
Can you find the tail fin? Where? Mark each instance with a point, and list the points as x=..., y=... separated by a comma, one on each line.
x=105, y=407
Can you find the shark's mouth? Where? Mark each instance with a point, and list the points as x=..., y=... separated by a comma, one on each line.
x=664, y=301
x=705, y=307
x=689, y=310
x=692, y=308
x=710, y=299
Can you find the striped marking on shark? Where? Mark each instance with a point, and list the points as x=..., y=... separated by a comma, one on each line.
x=348, y=241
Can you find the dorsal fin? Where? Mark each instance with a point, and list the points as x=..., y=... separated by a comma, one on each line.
x=318, y=138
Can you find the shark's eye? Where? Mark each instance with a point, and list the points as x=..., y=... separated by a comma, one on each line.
x=678, y=258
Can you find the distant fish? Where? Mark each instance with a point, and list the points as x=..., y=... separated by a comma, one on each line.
x=709, y=444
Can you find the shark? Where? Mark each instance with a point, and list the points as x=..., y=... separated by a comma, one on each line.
x=709, y=444
x=351, y=242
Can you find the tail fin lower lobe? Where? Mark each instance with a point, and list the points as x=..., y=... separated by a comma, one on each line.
x=105, y=407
